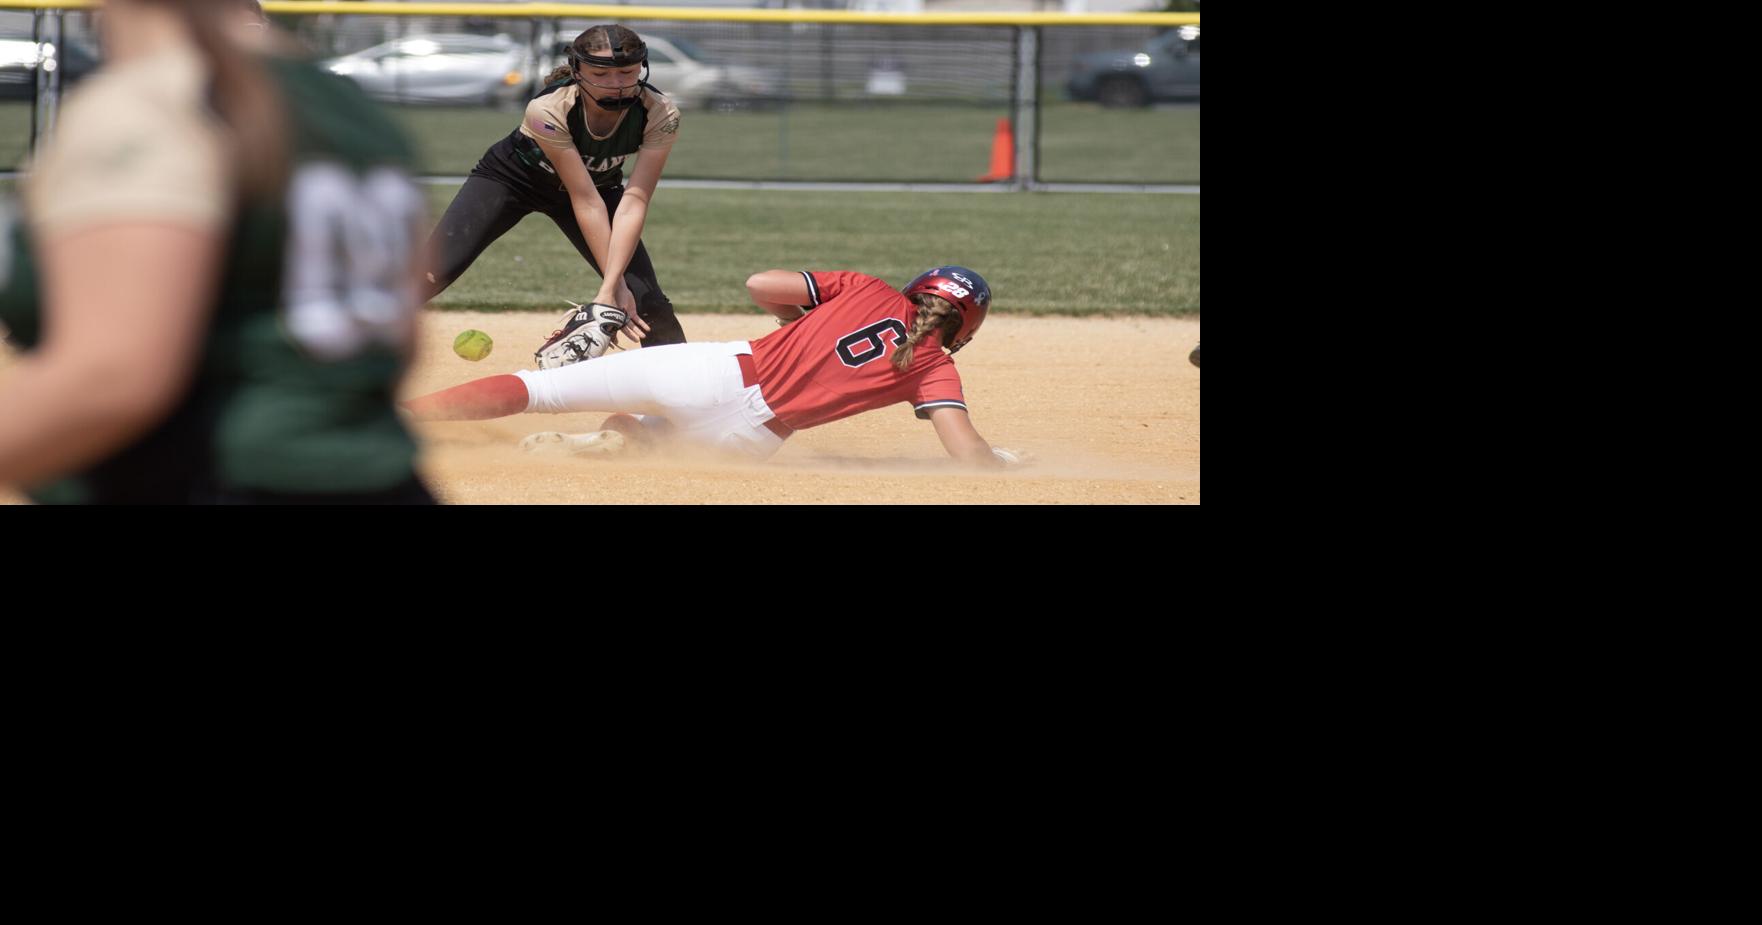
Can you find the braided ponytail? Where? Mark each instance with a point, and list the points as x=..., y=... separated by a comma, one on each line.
x=934, y=314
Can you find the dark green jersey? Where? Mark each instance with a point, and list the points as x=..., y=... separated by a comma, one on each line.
x=294, y=392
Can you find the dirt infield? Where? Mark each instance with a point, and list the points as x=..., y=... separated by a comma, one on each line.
x=1110, y=408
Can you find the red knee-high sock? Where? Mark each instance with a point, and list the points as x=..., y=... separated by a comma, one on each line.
x=490, y=397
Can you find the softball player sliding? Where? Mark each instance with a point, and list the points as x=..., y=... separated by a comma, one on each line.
x=850, y=343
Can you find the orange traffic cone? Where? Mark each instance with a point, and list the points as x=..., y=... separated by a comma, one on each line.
x=1003, y=154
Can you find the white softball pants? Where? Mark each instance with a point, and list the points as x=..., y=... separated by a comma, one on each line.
x=698, y=388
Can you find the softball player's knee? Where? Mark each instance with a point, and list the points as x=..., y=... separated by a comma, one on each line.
x=749, y=442
x=561, y=391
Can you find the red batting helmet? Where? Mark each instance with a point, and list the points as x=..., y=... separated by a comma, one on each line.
x=965, y=290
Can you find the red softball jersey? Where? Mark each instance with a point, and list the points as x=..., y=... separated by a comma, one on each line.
x=836, y=360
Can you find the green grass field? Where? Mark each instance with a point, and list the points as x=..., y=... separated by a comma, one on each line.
x=1043, y=253
x=1084, y=143
x=1079, y=142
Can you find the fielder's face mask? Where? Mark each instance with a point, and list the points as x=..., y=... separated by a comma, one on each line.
x=616, y=59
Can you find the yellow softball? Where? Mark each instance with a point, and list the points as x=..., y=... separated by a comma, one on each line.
x=473, y=345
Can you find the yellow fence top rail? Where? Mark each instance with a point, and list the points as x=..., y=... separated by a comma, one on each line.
x=639, y=13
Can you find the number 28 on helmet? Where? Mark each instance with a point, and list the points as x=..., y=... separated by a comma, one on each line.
x=965, y=290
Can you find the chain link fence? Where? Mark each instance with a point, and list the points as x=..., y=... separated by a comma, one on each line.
x=762, y=101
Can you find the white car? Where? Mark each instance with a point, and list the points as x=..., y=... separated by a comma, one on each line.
x=463, y=70
x=20, y=60
x=694, y=81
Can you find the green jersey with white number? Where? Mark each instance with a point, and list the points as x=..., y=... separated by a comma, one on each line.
x=307, y=338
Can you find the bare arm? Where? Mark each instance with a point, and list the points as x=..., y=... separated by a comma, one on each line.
x=598, y=230
x=633, y=210
x=120, y=345
x=589, y=209
x=962, y=441
x=780, y=292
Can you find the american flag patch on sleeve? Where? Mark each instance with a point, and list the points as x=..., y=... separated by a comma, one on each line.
x=538, y=126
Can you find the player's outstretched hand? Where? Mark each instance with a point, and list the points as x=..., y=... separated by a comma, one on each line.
x=635, y=328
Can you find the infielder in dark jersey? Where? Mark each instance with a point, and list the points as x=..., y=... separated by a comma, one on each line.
x=566, y=160
x=850, y=343
x=214, y=278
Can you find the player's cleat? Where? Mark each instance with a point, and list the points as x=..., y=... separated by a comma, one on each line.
x=1194, y=356
x=586, y=333
x=552, y=443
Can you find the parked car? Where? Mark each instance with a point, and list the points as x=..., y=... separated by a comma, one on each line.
x=694, y=79
x=1166, y=69
x=452, y=69
x=20, y=60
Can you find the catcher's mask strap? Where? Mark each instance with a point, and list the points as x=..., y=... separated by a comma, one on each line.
x=618, y=58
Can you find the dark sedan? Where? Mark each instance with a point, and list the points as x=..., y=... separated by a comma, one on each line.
x=1166, y=69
